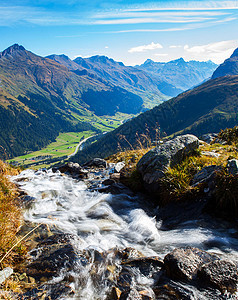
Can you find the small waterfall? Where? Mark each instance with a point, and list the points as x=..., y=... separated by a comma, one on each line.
x=104, y=221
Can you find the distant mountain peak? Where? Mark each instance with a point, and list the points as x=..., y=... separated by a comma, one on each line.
x=179, y=60
x=103, y=59
x=13, y=49
x=53, y=56
x=148, y=61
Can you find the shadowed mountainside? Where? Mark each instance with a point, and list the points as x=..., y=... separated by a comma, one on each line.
x=229, y=67
x=208, y=108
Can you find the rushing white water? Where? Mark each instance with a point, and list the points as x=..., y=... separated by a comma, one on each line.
x=105, y=221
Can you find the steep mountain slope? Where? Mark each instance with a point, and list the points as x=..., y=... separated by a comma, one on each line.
x=229, y=67
x=108, y=70
x=183, y=75
x=39, y=98
x=207, y=108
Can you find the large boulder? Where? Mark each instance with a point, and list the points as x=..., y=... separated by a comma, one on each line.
x=74, y=169
x=153, y=165
x=221, y=274
x=183, y=263
x=96, y=163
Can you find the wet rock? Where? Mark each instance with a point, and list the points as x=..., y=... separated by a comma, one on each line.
x=49, y=292
x=183, y=263
x=74, y=169
x=125, y=280
x=148, y=266
x=128, y=253
x=115, y=189
x=175, y=291
x=53, y=255
x=232, y=166
x=58, y=238
x=221, y=274
x=114, y=294
x=131, y=294
x=108, y=182
x=97, y=163
x=118, y=166
x=153, y=165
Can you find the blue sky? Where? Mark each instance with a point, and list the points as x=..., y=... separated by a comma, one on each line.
x=128, y=31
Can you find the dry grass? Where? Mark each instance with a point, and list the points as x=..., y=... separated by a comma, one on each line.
x=10, y=216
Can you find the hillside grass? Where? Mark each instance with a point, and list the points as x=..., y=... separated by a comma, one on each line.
x=10, y=217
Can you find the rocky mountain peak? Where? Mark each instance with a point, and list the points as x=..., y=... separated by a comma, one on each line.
x=12, y=50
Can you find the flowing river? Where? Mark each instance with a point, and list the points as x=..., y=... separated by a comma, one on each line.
x=104, y=221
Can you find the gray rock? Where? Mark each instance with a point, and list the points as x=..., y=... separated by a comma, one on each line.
x=183, y=263
x=208, y=137
x=73, y=169
x=154, y=163
x=97, y=163
x=207, y=175
x=118, y=166
x=232, y=166
x=220, y=274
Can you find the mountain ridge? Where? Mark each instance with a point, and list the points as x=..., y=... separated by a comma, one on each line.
x=40, y=97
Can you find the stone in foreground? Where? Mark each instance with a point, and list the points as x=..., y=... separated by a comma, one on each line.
x=220, y=274
x=153, y=165
x=183, y=263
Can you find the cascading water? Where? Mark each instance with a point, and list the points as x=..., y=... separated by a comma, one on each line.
x=104, y=221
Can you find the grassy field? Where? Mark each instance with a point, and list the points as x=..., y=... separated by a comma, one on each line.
x=64, y=145
x=67, y=142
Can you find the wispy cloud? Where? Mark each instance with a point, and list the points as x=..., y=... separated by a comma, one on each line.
x=181, y=28
x=144, y=48
x=186, y=5
x=149, y=20
x=217, y=52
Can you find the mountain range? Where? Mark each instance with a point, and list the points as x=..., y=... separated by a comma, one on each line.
x=42, y=96
x=179, y=73
x=153, y=81
x=209, y=107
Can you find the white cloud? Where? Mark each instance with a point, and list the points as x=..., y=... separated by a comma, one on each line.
x=217, y=52
x=144, y=48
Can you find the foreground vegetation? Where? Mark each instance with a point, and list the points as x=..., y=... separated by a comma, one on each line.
x=177, y=184
x=10, y=217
